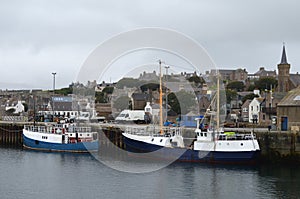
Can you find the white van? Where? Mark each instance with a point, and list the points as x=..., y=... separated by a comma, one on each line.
x=136, y=116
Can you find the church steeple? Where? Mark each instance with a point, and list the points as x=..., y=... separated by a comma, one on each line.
x=283, y=57
x=283, y=73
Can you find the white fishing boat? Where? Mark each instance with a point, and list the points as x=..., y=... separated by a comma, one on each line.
x=211, y=146
x=60, y=138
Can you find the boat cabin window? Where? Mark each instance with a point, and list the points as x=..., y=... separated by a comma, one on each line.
x=205, y=134
x=161, y=140
x=152, y=140
x=201, y=134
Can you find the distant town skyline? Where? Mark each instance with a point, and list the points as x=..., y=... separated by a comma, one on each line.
x=37, y=39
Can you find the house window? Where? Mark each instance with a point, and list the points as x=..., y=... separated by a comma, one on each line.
x=264, y=117
x=251, y=108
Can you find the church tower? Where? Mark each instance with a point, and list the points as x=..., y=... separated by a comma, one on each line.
x=283, y=73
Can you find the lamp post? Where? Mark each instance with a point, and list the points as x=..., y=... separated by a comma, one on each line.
x=167, y=67
x=54, y=73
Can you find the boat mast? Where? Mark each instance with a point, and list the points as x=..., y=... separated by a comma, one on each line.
x=218, y=101
x=54, y=73
x=160, y=99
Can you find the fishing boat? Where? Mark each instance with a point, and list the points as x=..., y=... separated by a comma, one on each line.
x=60, y=138
x=211, y=146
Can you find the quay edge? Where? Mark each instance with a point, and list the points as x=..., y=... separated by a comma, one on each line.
x=281, y=147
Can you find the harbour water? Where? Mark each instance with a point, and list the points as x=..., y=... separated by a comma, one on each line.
x=26, y=174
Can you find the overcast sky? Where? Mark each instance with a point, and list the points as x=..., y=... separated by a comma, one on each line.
x=40, y=37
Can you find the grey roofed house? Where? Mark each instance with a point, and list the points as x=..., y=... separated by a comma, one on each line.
x=265, y=73
x=62, y=103
x=141, y=96
x=225, y=73
x=295, y=79
x=245, y=110
x=291, y=99
x=177, y=86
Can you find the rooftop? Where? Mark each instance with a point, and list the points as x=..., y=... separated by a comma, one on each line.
x=292, y=98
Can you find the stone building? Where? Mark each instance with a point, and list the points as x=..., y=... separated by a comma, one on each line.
x=283, y=73
x=139, y=100
x=231, y=74
x=239, y=75
x=288, y=110
x=264, y=73
x=286, y=81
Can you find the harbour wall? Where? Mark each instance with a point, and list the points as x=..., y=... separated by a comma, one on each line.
x=276, y=147
x=11, y=135
x=282, y=147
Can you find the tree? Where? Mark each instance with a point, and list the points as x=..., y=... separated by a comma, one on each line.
x=64, y=91
x=230, y=95
x=128, y=82
x=236, y=85
x=108, y=90
x=265, y=83
x=249, y=96
x=182, y=102
x=174, y=103
x=122, y=103
x=100, y=97
x=251, y=87
x=149, y=86
x=196, y=79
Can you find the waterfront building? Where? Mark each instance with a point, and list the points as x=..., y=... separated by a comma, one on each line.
x=288, y=110
x=255, y=109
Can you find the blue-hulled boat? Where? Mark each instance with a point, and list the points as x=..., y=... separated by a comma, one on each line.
x=208, y=146
x=60, y=138
x=212, y=145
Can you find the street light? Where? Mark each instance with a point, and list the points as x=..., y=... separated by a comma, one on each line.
x=54, y=73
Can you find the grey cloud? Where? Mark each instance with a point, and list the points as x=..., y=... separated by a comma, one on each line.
x=45, y=36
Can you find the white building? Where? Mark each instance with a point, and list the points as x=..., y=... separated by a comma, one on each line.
x=18, y=108
x=255, y=109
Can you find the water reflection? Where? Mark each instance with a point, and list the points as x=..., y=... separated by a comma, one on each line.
x=26, y=174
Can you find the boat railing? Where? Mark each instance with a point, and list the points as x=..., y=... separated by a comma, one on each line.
x=41, y=129
x=154, y=131
x=236, y=136
x=79, y=129
x=58, y=129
